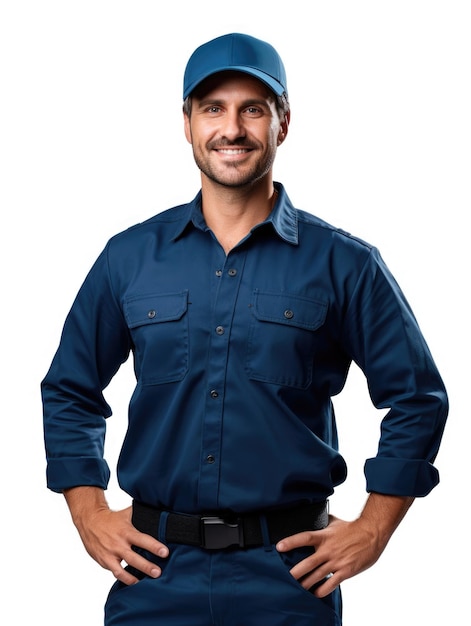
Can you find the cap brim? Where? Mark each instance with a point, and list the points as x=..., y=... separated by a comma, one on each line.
x=271, y=82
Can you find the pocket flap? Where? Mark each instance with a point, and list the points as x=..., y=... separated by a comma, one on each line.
x=155, y=308
x=283, y=308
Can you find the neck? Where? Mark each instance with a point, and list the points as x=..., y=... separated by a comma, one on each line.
x=231, y=212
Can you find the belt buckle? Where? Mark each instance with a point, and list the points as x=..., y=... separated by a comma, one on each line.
x=217, y=533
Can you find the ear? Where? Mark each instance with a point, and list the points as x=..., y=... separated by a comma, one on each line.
x=284, y=128
x=187, y=128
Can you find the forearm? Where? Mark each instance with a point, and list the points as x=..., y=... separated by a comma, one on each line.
x=85, y=501
x=383, y=514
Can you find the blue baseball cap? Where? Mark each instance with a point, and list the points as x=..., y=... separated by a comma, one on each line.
x=240, y=53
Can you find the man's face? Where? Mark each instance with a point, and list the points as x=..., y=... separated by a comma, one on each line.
x=234, y=129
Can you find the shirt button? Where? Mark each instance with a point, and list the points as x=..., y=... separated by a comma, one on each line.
x=210, y=458
x=232, y=272
x=220, y=330
x=218, y=272
x=214, y=393
x=288, y=314
x=151, y=314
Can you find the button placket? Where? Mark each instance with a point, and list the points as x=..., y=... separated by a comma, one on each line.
x=225, y=297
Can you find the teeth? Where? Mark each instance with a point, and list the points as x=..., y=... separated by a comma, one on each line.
x=229, y=151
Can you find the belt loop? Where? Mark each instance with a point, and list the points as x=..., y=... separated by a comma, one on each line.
x=265, y=533
x=162, y=533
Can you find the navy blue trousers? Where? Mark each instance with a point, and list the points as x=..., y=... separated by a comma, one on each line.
x=232, y=587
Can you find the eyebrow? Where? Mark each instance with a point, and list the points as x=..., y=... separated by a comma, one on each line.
x=220, y=102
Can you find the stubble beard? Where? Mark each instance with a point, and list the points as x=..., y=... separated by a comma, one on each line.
x=234, y=175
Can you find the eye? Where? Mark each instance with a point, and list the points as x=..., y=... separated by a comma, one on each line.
x=253, y=110
x=213, y=109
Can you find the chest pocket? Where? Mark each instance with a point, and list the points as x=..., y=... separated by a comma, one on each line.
x=159, y=328
x=282, y=338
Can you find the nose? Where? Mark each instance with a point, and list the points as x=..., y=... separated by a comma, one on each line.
x=232, y=126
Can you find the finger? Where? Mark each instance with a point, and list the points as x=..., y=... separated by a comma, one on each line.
x=314, y=577
x=126, y=552
x=141, y=540
x=138, y=562
x=326, y=586
x=122, y=575
x=307, y=538
x=309, y=565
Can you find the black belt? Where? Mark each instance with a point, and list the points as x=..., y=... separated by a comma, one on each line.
x=215, y=533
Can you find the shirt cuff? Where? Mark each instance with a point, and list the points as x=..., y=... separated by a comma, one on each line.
x=68, y=472
x=400, y=477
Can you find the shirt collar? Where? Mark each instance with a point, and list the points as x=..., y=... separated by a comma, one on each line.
x=283, y=217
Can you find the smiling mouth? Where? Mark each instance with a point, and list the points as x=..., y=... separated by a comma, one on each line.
x=233, y=151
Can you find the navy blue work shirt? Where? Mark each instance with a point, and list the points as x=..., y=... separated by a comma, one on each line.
x=236, y=359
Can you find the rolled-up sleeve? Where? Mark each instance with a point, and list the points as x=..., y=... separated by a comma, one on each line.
x=94, y=343
x=385, y=340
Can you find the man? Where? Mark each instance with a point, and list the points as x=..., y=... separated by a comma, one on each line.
x=243, y=315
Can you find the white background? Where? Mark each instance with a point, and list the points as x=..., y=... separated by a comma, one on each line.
x=91, y=141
